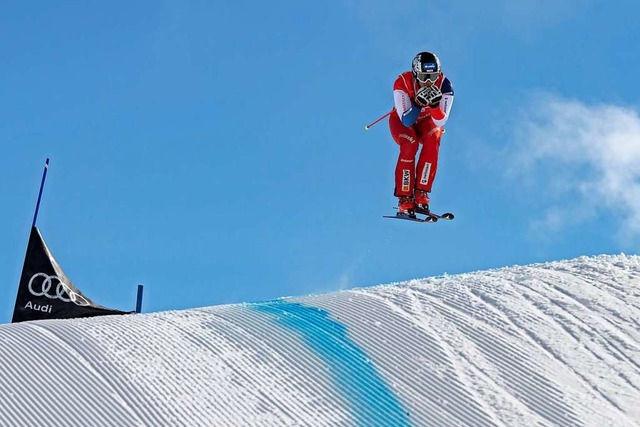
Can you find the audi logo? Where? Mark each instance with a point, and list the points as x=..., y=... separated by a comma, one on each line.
x=62, y=291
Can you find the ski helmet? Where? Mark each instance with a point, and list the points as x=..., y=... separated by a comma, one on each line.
x=426, y=67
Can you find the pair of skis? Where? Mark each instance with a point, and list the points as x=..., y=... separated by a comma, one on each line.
x=428, y=216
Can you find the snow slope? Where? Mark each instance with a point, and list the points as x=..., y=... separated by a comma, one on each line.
x=546, y=344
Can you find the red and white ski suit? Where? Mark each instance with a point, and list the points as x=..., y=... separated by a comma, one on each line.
x=409, y=131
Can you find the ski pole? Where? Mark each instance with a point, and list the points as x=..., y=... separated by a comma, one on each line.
x=367, y=127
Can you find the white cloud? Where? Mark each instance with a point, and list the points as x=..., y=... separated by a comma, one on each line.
x=583, y=160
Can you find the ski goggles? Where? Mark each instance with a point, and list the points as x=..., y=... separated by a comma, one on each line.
x=427, y=77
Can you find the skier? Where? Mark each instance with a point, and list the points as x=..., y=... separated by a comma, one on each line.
x=423, y=99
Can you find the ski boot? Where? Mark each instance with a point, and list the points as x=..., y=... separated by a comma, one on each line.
x=422, y=201
x=406, y=206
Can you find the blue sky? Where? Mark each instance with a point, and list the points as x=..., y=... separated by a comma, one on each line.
x=215, y=151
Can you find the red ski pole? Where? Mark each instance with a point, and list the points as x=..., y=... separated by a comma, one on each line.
x=367, y=127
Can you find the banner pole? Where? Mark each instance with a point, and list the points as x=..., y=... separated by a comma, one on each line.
x=139, y=300
x=44, y=177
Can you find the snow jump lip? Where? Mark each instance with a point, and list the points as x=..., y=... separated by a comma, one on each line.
x=546, y=344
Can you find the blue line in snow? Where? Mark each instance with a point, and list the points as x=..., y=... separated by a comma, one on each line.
x=371, y=401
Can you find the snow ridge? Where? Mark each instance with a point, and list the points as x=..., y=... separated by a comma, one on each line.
x=554, y=344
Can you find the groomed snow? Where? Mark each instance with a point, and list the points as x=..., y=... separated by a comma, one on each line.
x=545, y=344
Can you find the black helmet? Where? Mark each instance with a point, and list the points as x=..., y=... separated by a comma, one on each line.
x=426, y=67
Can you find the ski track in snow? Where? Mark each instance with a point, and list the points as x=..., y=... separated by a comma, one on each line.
x=554, y=344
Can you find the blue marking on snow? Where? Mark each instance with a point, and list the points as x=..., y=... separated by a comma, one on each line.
x=371, y=401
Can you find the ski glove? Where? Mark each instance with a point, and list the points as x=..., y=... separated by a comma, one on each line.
x=428, y=96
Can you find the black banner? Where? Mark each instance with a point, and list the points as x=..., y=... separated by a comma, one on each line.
x=45, y=292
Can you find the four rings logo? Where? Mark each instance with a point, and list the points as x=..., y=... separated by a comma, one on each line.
x=42, y=284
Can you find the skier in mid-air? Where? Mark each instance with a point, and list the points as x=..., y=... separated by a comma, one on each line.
x=423, y=99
